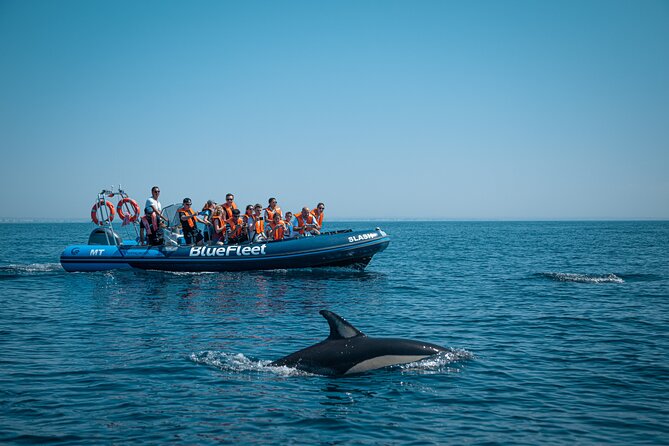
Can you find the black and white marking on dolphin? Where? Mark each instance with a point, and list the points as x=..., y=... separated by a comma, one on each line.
x=348, y=350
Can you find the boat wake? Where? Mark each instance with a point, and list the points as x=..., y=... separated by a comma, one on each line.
x=183, y=273
x=21, y=270
x=239, y=363
x=582, y=278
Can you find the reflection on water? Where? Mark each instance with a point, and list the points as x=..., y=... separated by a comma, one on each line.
x=343, y=395
x=223, y=293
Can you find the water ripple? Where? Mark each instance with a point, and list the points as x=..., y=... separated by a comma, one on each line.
x=574, y=354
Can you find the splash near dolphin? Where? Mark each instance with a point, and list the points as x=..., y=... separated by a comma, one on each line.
x=347, y=350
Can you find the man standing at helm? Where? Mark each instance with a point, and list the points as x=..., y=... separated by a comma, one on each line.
x=153, y=205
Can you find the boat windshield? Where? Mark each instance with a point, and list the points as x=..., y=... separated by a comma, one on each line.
x=170, y=213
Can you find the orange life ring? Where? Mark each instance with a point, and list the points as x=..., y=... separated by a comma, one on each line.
x=96, y=207
x=135, y=210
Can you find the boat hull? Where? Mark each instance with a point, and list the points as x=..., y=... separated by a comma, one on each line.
x=345, y=248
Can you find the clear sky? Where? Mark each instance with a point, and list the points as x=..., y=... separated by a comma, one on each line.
x=381, y=109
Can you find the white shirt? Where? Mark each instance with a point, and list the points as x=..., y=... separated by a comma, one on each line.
x=152, y=202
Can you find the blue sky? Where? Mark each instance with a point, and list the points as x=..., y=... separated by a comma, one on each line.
x=381, y=109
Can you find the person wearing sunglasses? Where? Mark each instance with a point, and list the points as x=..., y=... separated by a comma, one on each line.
x=228, y=206
x=317, y=212
x=153, y=205
x=189, y=219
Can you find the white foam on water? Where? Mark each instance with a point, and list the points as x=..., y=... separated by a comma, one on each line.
x=439, y=363
x=583, y=278
x=186, y=273
x=239, y=363
x=33, y=268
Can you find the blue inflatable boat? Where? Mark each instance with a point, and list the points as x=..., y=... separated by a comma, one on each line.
x=106, y=251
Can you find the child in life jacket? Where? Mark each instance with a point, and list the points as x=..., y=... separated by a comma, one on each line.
x=290, y=229
x=276, y=229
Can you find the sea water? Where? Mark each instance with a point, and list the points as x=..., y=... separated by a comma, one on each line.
x=558, y=330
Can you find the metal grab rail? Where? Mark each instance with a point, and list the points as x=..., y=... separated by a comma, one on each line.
x=105, y=212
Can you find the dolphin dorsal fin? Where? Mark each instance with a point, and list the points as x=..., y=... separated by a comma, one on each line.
x=339, y=327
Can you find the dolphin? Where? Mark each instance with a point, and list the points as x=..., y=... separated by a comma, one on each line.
x=348, y=350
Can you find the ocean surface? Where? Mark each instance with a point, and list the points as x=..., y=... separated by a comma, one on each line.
x=559, y=334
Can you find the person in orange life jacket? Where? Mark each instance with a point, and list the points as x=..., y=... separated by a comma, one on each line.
x=218, y=226
x=306, y=223
x=248, y=214
x=317, y=212
x=189, y=219
x=152, y=226
x=290, y=229
x=256, y=226
x=276, y=229
x=270, y=210
x=235, y=227
x=228, y=206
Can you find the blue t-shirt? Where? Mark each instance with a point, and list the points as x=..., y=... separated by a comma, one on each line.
x=290, y=232
x=207, y=214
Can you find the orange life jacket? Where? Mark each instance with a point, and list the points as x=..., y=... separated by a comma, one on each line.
x=319, y=217
x=278, y=230
x=235, y=226
x=259, y=225
x=189, y=224
x=227, y=208
x=301, y=221
x=270, y=213
x=221, y=223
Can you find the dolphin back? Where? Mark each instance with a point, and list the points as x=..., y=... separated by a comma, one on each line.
x=340, y=328
x=348, y=350
x=327, y=357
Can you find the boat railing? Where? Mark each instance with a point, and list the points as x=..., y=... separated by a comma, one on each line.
x=107, y=214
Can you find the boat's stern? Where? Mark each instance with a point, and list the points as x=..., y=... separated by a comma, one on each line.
x=86, y=258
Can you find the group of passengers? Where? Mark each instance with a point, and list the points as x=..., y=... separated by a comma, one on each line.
x=224, y=223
